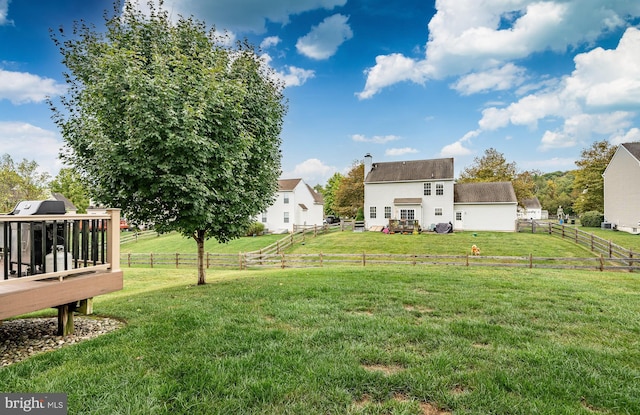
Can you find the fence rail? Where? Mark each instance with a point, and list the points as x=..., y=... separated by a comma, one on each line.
x=607, y=255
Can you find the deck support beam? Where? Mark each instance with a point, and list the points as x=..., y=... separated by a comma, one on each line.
x=65, y=319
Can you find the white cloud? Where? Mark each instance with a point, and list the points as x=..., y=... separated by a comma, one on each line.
x=498, y=79
x=456, y=149
x=389, y=70
x=323, y=40
x=292, y=75
x=4, y=12
x=26, y=141
x=400, y=151
x=312, y=171
x=22, y=87
x=270, y=41
x=467, y=36
x=631, y=136
x=247, y=15
x=377, y=139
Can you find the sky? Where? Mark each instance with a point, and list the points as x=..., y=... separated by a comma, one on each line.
x=539, y=81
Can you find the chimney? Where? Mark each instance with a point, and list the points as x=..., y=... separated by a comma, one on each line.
x=368, y=161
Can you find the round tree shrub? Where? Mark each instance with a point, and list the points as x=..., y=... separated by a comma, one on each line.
x=591, y=219
x=256, y=228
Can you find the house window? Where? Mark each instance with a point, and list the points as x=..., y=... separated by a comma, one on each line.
x=438, y=212
x=264, y=217
x=286, y=198
x=439, y=189
x=458, y=215
x=407, y=214
x=427, y=189
x=286, y=217
x=387, y=212
x=372, y=212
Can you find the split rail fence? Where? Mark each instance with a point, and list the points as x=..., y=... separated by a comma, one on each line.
x=606, y=255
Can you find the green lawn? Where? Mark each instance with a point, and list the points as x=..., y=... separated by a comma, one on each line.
x=176, y=243
x=459, y=243
x=356, y=341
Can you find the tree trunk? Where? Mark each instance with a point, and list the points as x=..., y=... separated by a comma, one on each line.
x=199, y=236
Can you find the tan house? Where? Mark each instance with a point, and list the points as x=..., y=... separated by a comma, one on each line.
x=621, y=188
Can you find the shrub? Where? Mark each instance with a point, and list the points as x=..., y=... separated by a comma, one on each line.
x=591, y=219
x=256, y=228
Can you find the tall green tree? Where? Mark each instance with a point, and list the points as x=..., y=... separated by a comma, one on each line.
x=21, y=181
x=329, y=193
x=69, y=183
x=349, y=198
x=165, y=121
x=589, y=183
x=493, y=167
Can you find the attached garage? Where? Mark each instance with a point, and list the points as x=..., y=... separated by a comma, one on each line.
x=485, y=207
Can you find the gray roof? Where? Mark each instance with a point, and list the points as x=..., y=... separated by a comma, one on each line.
x=402, y=171
x=633, y=148
x=532, y=203
x=484, y=192
x=68, y=204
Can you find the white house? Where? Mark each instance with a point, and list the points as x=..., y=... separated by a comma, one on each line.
x=425, y=190
x=621, y=189
x=532, y=209
x=488, y=206
x=296, y=204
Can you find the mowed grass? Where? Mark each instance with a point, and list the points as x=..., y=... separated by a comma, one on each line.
x=458, y=243
x=355, y=341
x=175, y=243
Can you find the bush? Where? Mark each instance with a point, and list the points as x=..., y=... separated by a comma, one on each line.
x=591, y=219
x=256, y=228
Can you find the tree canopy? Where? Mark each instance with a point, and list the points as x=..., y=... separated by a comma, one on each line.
x=329, y=193
x=69, y=183
x=493, y=167
x=165, y=121
x=20, y=181
x=589, y=183
x=349, y=198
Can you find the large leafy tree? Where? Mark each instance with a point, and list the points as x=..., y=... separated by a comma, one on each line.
x=21, y=181
x=589, y=183
x=329, y=193
x=349, y=198
x=493, y=167
x=69, y=183
x=164, y=121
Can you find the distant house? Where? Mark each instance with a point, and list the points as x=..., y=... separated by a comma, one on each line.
x=531, y=209
x=425, y=190
x=621, y=189
x=68, y=204
x=296, y=204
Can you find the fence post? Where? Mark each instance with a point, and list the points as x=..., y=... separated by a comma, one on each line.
x=277, y=247
x=467, y=261
x=321, y=259
x=177, y=259
x=151, y=259
x=530, y=260
x=129, y=259
x=630, y=260
x=364, y=259
x=240, y=260
x=576, y=235
x=208, y=261
x=601, y=263
x=592, y=242
x=610, y=250
x=414, y=260
x=283, y=261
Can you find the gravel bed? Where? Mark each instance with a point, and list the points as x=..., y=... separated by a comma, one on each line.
x=23, y=338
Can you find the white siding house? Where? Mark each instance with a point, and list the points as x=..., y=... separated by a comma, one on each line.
x=421, y=190
x=296, y=204
x=425, y=190
x=621, y=189
x=485, y=207
x=532, y=209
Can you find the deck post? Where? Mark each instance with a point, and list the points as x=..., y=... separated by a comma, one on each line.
x=86, y=306
x=65, y=319
x=113, y=239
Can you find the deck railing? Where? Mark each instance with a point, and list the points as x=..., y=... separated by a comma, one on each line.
x=38, y=247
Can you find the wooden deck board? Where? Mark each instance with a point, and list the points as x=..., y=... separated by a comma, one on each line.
x=23, y=297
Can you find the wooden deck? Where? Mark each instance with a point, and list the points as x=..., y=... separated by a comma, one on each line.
x=20, y=297
x=64, y=290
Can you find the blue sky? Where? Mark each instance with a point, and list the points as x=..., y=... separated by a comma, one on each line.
x=537, y=80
